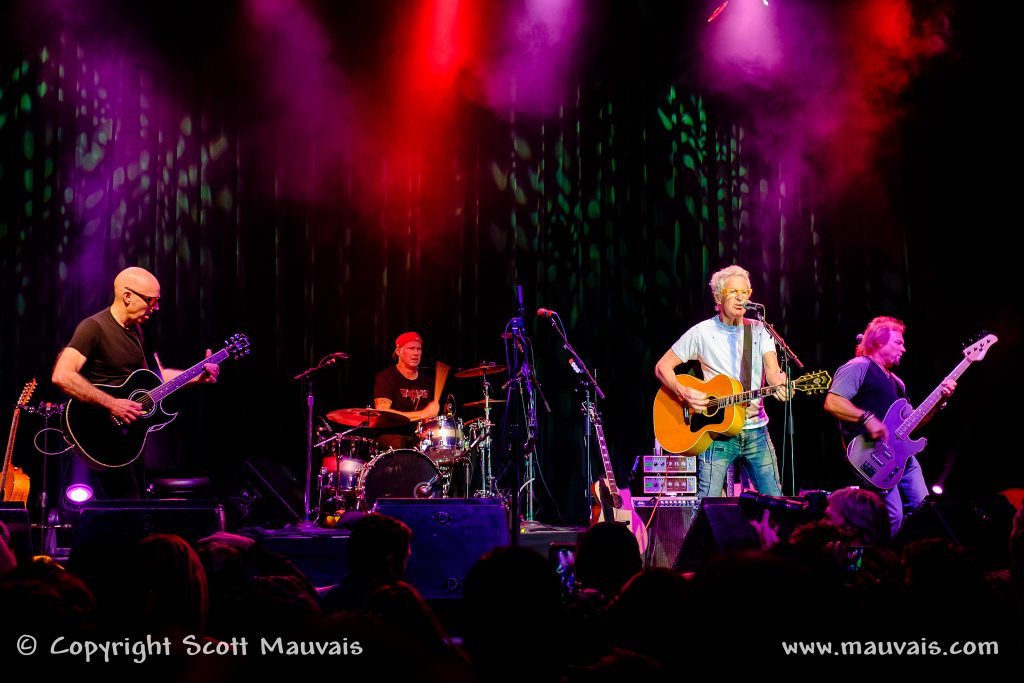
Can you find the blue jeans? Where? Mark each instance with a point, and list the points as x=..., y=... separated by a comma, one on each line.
x=752, y=450
x=907, y=496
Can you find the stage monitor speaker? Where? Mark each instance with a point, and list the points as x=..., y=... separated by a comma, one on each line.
x=981, y=525
x=132, y=520
x=264, y=494
x=448, y=536
x=672, y=517
x=15, y=518
x=722, y=525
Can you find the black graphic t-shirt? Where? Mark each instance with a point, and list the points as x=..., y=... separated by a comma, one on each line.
x=407, y=395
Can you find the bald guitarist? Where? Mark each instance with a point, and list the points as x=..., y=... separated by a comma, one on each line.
x=106, y=349
x=729, y=344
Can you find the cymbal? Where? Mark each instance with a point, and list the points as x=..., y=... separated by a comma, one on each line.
x=480, y=404
x=485, y=369
x=367, y=417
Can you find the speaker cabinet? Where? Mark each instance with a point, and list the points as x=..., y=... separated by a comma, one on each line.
x=448, y=536
x=722, y=525
x=135, y=519
x=264, y=494
x=667, y=520
x=981, y=525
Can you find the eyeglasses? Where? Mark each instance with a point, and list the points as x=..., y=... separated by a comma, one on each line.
x=151, y=301
x=726, y=293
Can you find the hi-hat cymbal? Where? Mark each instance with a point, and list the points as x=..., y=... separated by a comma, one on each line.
x=485, y=369
x=480, y=404
x=367, y=417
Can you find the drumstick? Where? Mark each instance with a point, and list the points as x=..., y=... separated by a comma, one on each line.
x=440, y=375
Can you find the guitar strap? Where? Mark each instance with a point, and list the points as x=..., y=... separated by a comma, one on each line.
x=748, y=355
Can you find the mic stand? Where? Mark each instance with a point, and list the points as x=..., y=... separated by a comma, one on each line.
x=759, y=313
x=306, y=376
x=587, y=381
x=49, y=521
x=787, y=410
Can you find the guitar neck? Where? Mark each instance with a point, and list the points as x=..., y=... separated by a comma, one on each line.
x=921, y=412
x=9, y=453
x=748, y=396
x=169, y=387
x=609, y=473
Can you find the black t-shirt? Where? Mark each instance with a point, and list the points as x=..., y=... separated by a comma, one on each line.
x=112, y=352
x=877, y=392
x=407, y=395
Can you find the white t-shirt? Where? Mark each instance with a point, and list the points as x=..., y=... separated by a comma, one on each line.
x=719, y=348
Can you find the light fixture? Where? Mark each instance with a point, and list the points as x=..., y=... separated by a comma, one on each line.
x=77, y=494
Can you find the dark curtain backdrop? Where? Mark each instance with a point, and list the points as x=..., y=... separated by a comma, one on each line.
x=612, y=208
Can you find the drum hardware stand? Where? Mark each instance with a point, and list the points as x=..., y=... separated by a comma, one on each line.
x=306, y=376
x=486, y=475
x=588, y=382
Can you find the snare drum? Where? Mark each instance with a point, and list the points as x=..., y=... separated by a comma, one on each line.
x=340, y=475
x=441, y=438
x=399, y=474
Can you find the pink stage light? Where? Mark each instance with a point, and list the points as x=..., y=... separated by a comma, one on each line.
x=79, y=493
x=937, y=489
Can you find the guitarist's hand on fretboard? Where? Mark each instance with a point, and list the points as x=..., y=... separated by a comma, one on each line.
x=209, y=375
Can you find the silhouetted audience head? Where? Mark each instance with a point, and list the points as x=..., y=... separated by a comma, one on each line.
x=379, y=548
x=657, y=591
x=173, y=584
x=47, y=601
x=401, y=606
x=509, y=592
x=607, y=556
x=861, y=513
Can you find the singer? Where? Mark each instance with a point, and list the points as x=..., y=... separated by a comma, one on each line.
x=729, y=344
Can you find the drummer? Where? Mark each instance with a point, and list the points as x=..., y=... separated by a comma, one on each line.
x=406, y=389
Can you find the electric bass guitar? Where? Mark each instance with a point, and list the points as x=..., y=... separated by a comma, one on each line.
x=611, y=504
x=14, y=483
x=681, y=430
x=882, y=462
x=104, y=441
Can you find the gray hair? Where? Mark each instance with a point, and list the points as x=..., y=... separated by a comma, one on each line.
x=719, y=277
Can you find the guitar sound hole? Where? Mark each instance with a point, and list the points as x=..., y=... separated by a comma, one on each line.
x=144, y=399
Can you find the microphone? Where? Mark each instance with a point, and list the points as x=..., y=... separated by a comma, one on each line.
x=546, y=312
x=426, y=489
x=760, y=501
x=753, y=306
x=575, y=368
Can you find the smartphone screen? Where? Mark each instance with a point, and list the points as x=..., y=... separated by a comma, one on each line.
x=562, y=558
x=854, y=558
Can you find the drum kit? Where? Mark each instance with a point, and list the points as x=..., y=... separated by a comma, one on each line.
x=356, y=471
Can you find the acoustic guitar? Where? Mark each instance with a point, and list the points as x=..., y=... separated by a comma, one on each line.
x=610, y=503
x=104, y=441
x=681, y=430
x=14, y=484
